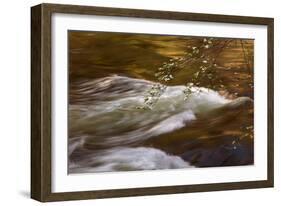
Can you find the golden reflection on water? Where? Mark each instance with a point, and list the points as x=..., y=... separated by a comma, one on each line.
x=223, y=137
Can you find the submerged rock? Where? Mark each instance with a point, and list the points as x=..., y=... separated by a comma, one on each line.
x=219, y=151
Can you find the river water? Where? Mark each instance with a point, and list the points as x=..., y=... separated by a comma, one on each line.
x=109, y=77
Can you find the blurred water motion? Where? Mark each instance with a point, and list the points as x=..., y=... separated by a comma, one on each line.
x=109, y=75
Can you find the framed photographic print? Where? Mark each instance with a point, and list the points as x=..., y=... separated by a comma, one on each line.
x=132, y=102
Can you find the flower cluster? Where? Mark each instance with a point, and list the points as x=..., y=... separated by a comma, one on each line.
x=202, y=57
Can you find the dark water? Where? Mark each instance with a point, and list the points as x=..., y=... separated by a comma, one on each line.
x=109, y=76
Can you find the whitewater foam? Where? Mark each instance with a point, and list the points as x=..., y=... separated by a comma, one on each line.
x=127, y=159
x=104, y=113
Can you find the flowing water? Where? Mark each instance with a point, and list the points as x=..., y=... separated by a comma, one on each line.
x=109, y=132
